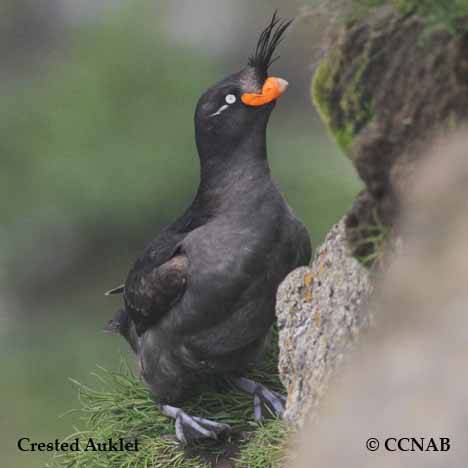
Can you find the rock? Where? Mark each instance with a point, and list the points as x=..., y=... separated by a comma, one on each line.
x=387, y=86
x=408, y=379
x=320, y=314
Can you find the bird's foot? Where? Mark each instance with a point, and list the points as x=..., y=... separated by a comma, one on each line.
x=193, y=428
x=263, y=397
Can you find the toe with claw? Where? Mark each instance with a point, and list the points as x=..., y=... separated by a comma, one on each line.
x=193, y=428
x=264, y=398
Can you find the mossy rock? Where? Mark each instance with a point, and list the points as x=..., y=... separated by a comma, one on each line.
x=339, y=97
x=384, y=90
x=440, y=15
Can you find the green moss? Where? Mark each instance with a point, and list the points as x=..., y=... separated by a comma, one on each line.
x=449, y=15
x=322, y=86
x=346, y=116
x=322, y=89
x=344, y=138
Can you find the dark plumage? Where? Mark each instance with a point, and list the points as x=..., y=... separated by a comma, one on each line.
x=201, y=298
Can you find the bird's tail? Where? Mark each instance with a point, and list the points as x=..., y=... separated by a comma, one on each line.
x=121, y=324
x=112, y=326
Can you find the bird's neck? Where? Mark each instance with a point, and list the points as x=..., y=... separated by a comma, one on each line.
x=232, y=170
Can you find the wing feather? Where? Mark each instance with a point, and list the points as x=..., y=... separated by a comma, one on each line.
x=151, y=291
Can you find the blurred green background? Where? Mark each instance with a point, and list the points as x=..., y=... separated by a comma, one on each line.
x=97, y=153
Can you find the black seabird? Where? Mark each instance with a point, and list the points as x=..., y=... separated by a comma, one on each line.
x=201, y=298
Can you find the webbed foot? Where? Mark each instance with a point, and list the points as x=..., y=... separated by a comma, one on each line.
x=263, y=397
x=193, y=428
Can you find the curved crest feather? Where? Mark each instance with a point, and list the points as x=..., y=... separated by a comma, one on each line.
x=269, y=40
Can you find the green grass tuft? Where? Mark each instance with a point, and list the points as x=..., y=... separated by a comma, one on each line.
x=374, y=238
x=266, y=446
x=119, y=406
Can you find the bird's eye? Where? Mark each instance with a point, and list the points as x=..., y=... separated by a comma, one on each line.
x=231, y=99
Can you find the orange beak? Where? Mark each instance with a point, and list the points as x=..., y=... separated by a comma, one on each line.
x=272, y=90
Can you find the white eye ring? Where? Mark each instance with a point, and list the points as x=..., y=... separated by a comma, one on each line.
x=231, y=99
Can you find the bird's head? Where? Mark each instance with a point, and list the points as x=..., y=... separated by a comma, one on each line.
x=240, y=104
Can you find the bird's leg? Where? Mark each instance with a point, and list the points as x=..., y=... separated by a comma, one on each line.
x=192, y=428
x=263, y=397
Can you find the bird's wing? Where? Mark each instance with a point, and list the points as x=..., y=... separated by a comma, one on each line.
x=150, y=291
